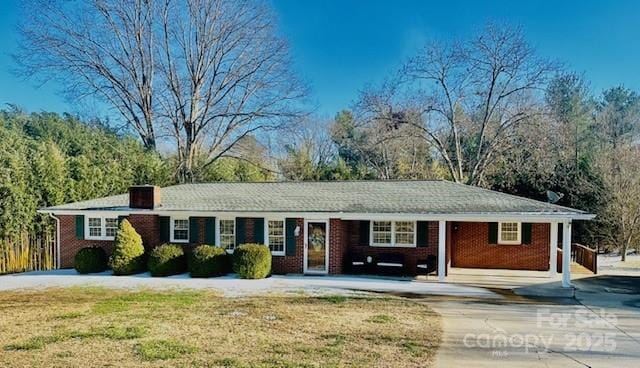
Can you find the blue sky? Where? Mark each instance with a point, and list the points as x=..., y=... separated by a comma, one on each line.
x=340, y=46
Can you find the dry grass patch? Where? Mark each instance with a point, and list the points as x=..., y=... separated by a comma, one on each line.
x=99, y=327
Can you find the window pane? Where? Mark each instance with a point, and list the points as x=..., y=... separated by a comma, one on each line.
x=382, y=232
x=181, y=229
x=404, y=232
x=95, y=226
x=227, y=234
x=111, y=227
x=509, y=231
x=276, y=235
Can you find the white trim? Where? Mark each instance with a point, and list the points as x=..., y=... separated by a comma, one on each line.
x=518, y=241
x=284, y=234
x=172, y=228
x=219, y=232
x=393, y=235
x=442, y=250
x=535, y=217
x=553, y=250
x=566, y=255
x=103, y=227
x=58, y=259
x=306, y=245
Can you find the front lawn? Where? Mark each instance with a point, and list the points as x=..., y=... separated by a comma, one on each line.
x=99, y=327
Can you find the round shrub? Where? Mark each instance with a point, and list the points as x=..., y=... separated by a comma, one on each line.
x=252, y=261
x=167, y=260
x=207, y=261
x=128, y=252
x=90, y=260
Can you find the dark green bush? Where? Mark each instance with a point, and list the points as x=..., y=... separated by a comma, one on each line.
x=128, y=252
x=252, y=261
x=167, y=260
x=207, y=261
x=90, y=260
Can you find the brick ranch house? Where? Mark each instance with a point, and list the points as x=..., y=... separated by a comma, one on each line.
x=334, y=227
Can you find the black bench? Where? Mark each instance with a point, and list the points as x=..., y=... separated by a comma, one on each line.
x=427, y=266
x=390, y=264
x=358, y=263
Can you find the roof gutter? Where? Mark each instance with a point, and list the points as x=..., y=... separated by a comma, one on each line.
x=477, y=217
x=57, y=238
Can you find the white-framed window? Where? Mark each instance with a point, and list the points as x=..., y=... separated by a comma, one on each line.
x=382, y=233
x=405, y=233
x=275, y=236
x=227, y=234
x=179, y=230
x=100, y=227
x=393, y=233
x=110, y=227
x=509, y=233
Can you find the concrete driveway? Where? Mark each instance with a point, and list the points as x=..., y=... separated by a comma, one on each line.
x=600, y=327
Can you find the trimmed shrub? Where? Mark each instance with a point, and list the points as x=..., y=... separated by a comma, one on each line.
x=90, y=260
x=252, y=261
x=207, y=261
x=128, y=251
x=167, y=260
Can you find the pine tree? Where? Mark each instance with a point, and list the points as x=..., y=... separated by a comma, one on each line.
x=128, y=252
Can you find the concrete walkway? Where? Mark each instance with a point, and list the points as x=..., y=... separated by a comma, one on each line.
x=233, y=287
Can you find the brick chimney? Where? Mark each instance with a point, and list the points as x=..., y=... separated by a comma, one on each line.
x=144, y=196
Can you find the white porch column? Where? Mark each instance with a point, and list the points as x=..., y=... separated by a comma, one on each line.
x=442, y=249
x=553, y=250
x=566, y=254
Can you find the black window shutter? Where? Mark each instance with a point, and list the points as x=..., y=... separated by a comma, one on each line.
x=526, y=233
x=290, y=237
x=210, y=230
x=120, y=219
x=163, y=221
x=194, y=230
x=258, y=230
x=493, y=233
x=79, y=227
x=422, y=234
x=240, y=231
x=364, y=232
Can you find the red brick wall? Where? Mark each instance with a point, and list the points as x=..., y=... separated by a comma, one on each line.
x=291, y=264
x=411, y=255
x=470, y=248
x=69, y=245
x=338, y=235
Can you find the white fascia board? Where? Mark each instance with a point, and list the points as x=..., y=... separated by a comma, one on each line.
x=462, y=217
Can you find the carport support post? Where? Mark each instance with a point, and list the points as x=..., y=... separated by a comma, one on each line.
x=442, y=249
x=553, y=250
x=566, y=254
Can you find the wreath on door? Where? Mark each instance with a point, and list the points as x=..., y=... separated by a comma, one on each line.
x=317, y=238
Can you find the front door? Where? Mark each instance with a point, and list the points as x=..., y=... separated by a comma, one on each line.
x=316, y=247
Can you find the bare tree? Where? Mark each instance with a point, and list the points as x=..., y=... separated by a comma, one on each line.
x=467, y=97
x=621, y=217
x=97, y=48
x=203, y=74
x=227, y=76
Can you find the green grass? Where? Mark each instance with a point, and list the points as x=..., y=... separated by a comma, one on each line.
x=162, y=349
x=334, y=299
x=381, y=318
x=101, y=327
x=34, y=343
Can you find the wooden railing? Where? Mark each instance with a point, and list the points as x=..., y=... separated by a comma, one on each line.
x=585, y=256
x=582, y=255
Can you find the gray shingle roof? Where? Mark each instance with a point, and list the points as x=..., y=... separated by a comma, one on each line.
x=411, y=197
